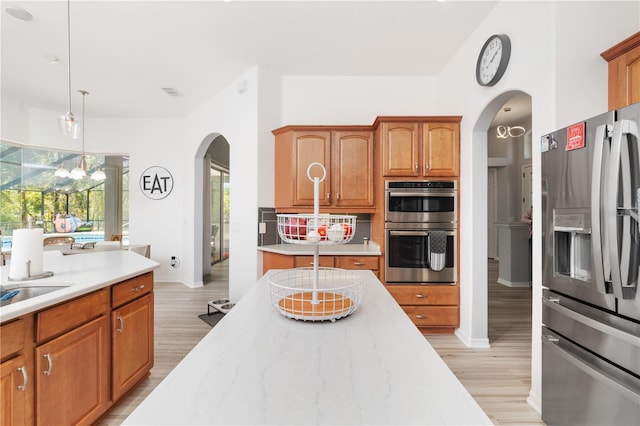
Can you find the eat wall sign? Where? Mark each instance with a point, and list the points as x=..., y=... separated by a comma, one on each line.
x=156, y=182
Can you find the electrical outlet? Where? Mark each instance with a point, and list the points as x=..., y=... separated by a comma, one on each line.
x=175, y=262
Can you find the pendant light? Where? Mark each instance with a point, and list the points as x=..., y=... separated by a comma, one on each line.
x=504, y=132
x=80, y=170
x=98, y=175
x=67, y=123
x=61, y=172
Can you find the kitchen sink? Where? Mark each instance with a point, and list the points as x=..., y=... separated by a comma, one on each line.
x=28, y=292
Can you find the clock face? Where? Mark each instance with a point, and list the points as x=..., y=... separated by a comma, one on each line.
x=493, y=60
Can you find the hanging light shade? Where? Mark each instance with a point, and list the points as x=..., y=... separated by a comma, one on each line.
x=61, y=172
x=99, y=175
x=80, y=170
x=67, y=123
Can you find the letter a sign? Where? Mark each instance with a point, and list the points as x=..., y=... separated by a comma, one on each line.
x=156, y=182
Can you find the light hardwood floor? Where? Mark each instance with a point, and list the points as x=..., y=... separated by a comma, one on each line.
x=498, y=378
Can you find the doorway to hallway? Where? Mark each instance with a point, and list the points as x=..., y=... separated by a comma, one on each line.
x=220, y=191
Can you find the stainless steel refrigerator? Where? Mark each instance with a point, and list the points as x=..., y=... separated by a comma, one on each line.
x=591, y=261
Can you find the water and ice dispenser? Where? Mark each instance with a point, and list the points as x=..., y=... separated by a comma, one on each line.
x=572, y=243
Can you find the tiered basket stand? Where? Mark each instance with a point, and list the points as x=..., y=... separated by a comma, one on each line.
x=316, y=294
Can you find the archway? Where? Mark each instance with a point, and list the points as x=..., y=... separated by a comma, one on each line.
x=474, y=326
x=214, y=148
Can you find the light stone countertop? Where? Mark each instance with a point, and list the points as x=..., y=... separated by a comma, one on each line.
x=372, y=249
x=79, y=274
x=258, y=367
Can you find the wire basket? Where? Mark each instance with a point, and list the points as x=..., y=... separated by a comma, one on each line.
x=312, y=229
x=315, y=295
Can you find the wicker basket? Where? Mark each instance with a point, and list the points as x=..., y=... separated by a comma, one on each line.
x=315, y=295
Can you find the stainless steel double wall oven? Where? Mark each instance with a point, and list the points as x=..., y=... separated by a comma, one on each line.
x=420, y=232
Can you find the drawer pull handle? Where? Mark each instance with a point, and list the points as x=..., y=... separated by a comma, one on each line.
x=421, y=316
x=119, y=330
x=358, y=263
x=47, y=372
x=140, y=287
x=25, y=378
x=421, y=296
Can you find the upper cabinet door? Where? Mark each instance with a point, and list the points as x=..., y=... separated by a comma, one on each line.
x=440, y=149
x=352, y=169
x=311, y=147
x=624, y=72
x=400, y=144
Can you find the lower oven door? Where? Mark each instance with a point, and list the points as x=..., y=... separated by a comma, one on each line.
x=420, y=256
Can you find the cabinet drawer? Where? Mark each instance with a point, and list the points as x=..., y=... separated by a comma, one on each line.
x=433, y=315
x=70, y=315
x=307, y=261
x=131, y=289
x=357, y=262
x=424, y=294
x=12, y=338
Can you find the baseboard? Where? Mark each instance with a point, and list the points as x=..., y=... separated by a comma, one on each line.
x=514, y=283
x=476, y=343
x=534, y=401
x=197, y=284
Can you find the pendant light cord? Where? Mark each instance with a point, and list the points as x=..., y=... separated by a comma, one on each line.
x=69, y=49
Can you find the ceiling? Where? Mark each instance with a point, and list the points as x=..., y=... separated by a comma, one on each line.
x=125, y=52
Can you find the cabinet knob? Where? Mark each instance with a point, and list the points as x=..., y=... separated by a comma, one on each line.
x=328, y=196
x=426, y=167
x=358, y=263
x=25, y=378
x=140, y=287
x=421, y=296
x=338, y=196
x=421, y=316
x=417, y=167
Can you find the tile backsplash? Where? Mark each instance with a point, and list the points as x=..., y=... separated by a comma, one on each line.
x=267, y=216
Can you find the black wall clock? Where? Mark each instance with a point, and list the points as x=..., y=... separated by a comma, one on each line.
x=493, y=59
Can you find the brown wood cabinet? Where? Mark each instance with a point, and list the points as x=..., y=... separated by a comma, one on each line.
x=346, y=154
x=68, y=364
x=284, y=261
x=132, y=344
x=414, y=148
x=72, y=386
x=624, y=72
x=432, y=308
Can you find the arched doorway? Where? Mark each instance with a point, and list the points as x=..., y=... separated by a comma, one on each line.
x=212, y=193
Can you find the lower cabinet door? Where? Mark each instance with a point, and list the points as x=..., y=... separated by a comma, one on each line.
x=13, y=392
x=132, y=340
x=72, y=383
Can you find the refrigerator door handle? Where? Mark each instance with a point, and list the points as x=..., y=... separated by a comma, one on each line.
x=619, y=171
x=599, y=240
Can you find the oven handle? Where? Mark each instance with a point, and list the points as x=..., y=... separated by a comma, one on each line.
x=417, y=233
x=421, y=194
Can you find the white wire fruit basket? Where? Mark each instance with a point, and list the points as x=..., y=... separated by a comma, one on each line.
x=311, y=294
x=316, y=294
x=320, y=229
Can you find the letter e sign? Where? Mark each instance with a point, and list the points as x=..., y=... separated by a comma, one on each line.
x=156, y=182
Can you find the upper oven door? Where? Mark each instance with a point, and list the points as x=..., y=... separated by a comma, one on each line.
x=423, y=205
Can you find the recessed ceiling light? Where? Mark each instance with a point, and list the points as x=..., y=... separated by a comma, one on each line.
x=18, y=13
x=172, y=91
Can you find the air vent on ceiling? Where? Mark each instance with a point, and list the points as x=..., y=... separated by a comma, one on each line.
x=172, y=91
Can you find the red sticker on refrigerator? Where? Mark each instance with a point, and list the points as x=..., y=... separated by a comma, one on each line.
x=575, y=136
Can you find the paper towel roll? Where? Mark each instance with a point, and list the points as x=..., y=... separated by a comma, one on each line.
x=26, y=246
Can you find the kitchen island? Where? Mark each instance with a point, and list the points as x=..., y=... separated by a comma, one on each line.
x=258, y=367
